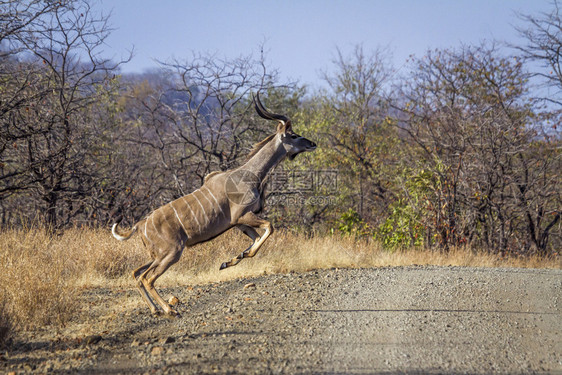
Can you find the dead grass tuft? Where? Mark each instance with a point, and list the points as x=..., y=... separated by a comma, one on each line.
x=37, y=279
x=42, y=274
x=104, y=257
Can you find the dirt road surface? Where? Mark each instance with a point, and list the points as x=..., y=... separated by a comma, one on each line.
x=403, y=320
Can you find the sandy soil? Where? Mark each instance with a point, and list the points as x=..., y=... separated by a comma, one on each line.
x=388, y=320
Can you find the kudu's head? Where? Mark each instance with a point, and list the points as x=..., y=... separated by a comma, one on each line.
x=294, y=144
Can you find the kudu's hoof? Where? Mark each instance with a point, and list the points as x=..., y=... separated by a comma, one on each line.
x=223, y=266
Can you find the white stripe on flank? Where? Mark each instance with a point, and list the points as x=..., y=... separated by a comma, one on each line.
x=178, y=217
x=208, y=200
x=202, y=208
x=215, y=199
x=192, y=213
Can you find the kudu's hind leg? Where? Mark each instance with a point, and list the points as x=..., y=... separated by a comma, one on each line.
x=157, y=268
x=142, y=289
x=247, y=223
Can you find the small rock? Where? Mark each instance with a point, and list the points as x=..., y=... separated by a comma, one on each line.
x=250, y=285
x=173, y=301
x=157, y=350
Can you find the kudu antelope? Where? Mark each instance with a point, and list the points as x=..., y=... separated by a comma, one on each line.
x=226, y=199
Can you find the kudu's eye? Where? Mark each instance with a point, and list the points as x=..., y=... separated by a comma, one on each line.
x=294, y=136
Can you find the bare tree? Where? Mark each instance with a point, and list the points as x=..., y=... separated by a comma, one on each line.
x=215, y=118
x=58, y=72
x=20, y=82
x=18, y=16
x=544, y=46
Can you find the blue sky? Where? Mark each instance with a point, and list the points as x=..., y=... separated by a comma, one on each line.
x=301, y=36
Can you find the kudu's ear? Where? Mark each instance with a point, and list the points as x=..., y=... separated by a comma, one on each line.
x=284, y=127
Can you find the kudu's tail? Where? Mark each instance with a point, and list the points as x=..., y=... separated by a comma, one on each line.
x=122, y=236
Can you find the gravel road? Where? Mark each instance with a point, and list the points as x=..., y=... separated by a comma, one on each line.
x=403, y=320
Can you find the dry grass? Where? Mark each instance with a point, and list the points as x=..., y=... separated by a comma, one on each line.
x=285, y=252
x=42, y=275
x=37, y=279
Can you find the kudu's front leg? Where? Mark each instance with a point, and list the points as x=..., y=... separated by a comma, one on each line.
x=246, y=224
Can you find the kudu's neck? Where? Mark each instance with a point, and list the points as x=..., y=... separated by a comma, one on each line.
x=266, y=159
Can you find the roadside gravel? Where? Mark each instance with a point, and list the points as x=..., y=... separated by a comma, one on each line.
x=409, y=320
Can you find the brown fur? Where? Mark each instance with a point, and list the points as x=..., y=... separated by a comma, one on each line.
x=258, y=146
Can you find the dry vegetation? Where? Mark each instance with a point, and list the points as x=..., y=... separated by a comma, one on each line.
x=42, y=275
